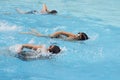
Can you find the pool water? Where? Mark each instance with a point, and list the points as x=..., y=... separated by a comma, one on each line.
x=95, y=59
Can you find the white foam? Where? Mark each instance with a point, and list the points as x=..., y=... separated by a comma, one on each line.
x=32, y=41
x=15, y=48
x=4, y=26
x=63, y=49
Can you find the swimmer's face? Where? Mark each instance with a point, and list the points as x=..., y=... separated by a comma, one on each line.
x=82, y=36
x=51, y=47
x=78, y=36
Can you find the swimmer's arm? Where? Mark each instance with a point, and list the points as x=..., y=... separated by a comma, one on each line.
x=44, y=9
x=29, y=46
x=56, y=34
x=35, y=34
x=67, y=34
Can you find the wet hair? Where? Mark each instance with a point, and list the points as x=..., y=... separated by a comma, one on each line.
x=53, y=12
x=82, y=36
x=55, y=49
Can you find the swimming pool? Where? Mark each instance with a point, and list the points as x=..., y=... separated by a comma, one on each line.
x=94, y=59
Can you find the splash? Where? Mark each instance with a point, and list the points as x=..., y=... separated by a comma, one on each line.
x=28, y=54
x=32, y=41
x=14, y=48
x=4, y=26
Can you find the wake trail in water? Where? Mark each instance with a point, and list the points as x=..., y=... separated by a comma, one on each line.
x=4, y=26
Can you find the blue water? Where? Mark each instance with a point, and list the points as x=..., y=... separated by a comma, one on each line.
x=95, y=59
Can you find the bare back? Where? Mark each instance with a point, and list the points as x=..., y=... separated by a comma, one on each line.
x=67, y=34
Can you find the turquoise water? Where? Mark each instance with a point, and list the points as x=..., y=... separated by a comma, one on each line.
x=95, y=59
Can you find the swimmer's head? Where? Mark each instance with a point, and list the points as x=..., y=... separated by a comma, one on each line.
x=82, y=36
x=53, y=12
x=54, y=49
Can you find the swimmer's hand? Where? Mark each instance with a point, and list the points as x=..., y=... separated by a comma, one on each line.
x=32, y=32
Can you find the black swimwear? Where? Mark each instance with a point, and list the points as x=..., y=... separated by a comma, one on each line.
x=32, y=12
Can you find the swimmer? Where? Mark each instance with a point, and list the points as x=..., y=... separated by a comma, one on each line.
x=46, y=11
x=52, y=49
x=43, y=11
x=61, y=34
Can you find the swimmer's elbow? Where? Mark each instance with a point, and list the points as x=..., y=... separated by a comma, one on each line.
x=60, y=32
x=51, y=36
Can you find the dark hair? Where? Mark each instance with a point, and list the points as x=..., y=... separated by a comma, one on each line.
x=55, y=49
x=53, y=12
x=82, y=36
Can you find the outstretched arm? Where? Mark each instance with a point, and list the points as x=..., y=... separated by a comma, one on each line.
x=29, y=46
x=35, y=33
